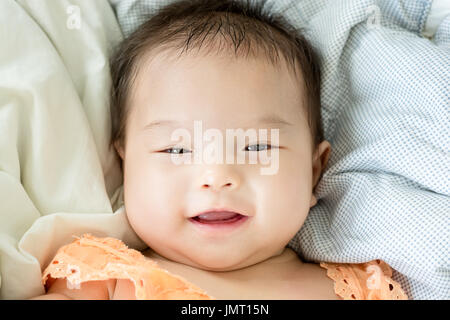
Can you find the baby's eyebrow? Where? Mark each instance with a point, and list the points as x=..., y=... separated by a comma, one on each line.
x=269, y=120
x=161, y=123
x=273, y=120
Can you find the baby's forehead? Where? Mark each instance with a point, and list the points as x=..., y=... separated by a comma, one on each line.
x=162, y=62
x=225, y=48
x=222, y=88
x=160, y=59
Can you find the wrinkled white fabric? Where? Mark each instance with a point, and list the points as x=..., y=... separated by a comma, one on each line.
x=57, y=176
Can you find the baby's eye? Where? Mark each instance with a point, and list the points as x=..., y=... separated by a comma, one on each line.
x=258, y=147
x=176, y=150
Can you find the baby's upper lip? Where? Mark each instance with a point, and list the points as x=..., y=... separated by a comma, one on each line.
x=221, y=209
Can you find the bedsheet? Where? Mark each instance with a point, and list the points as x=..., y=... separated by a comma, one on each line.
x=57, y=175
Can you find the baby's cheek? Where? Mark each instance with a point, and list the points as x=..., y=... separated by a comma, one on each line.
x=291, y=194
x=143, y=189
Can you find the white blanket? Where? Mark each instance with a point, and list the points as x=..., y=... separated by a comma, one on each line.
x=57, y=175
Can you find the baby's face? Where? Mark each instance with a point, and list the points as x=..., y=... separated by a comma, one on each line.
x=161, y=196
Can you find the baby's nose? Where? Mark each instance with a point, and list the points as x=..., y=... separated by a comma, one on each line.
x=219, y=179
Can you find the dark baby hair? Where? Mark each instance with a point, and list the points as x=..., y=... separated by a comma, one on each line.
x=228, y=26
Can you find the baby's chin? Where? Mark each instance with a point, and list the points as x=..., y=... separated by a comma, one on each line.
x=220, y=266
x=219, y=263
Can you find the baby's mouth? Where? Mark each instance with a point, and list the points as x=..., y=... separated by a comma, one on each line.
x=218, y=217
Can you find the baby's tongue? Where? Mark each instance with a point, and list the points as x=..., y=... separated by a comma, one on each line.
x=217, y=216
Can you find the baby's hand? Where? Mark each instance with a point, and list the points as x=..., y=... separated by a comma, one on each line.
x=124, y=290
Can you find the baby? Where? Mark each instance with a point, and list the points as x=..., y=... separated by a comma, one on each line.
x=221, y=225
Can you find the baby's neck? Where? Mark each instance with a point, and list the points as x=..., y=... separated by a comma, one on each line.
x=251, y=282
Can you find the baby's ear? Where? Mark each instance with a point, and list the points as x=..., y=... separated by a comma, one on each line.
x=313, y=201
x=119, y=148
x=320, y=160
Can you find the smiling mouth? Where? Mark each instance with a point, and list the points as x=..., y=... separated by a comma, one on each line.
x=217, y=220
x=218, y=217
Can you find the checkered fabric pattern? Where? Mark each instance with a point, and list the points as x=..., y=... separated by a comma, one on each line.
x=386, y=111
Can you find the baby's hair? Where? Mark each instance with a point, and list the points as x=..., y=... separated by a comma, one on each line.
x=228, y=26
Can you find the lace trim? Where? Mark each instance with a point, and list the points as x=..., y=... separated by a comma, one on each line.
x=89, y=258
x=365, y=281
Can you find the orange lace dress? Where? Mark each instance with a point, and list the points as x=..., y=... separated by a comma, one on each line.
x=90, y=258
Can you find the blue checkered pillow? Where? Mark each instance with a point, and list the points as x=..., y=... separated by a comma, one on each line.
x=386, y=102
